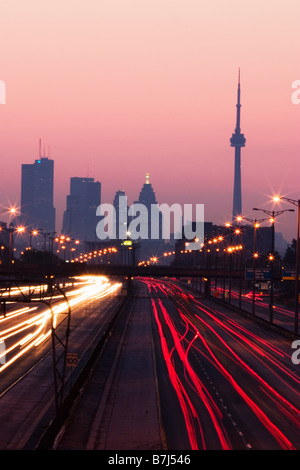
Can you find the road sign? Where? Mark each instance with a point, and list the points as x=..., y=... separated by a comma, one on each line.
x=72, y=359
x=263, y=285
x=263, y=274
x=288, y=274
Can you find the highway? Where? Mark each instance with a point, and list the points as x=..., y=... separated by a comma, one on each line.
x=27, y=397
x=177, y=371
x=183, y=373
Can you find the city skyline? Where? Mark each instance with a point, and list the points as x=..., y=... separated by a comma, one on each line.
x=83, y=203
x=80, y=218
x=153, y=90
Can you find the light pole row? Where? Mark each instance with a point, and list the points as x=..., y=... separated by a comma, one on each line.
x=272, y=215
x=295, y=202
x=256, y=224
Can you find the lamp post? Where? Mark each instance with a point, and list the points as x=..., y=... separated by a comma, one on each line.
x=11, y=230
x=208, y=270
x=256, y=223
x=234, y=230
x=32, y=233
x=229, y=250
x=273, y=215
x=240, y=232
x=295, y=202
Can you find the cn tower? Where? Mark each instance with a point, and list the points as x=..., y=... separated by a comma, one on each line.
x=237, y=141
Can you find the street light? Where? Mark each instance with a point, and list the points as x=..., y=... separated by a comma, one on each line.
x=256, y=223
x=295, y=202
x=11, y=230
x=11, y=210
x=34, y=233
x=273, y=215
x=236, y=230
x=229, y=250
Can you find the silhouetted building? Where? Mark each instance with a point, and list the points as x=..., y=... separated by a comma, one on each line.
x=79, y=219
x=37, y=210
x=153, y=244
x=121, y=213
x=237, y=141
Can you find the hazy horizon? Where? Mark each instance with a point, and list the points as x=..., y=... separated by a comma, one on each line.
x=121, y=88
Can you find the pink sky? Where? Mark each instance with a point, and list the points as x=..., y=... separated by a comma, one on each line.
x=120, y=88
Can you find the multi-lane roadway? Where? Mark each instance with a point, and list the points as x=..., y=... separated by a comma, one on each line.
x=208, y=377
x=178, y=372
x=235, y=381
x=27, y=383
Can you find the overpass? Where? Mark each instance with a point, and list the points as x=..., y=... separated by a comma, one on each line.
x=81, y=269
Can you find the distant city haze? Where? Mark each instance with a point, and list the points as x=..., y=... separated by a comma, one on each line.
x=119, y=88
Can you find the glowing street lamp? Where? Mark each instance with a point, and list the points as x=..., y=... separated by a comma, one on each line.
x=236, y=230
x=11, y=210
x=11, y=230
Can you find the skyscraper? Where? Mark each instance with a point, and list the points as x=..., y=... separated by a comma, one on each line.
x=37, y=210
x=237, y=141
x=79, y=220
x=147, y=194
x=147, y=197
x=121, y=212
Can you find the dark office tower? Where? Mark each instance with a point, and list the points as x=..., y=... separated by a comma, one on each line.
x=147, y=198
x=121, y=208
x=237, y=141
x=152, y=245
x=79, y=220
x=37, y=210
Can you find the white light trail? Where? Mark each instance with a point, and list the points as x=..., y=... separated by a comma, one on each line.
x=37, y=329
